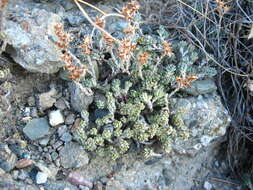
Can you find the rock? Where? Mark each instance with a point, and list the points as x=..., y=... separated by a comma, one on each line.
x=77, y=179
x=59, y=185
x=75, y=18
x=114, y=185
x=41, y=178
x=54, y=156
x=203, y=116
x=7, y=158
x=70, y=119
x=83, y=187
x=98, y=186
x=22, y=175
x=44, y=141
x=61, y=130
x=50, y=171
x=29, y=31
x=66, y=137
x=207, y=185
x=201, y=87
x=57, y=144
x=81, y=97
x=46, y=100
x=56, y=118
x=31, y=101
x=73, y=156
x=23, y=163
x=60, y=104
x=14, y=174
x=2, y=172
x=36, y=128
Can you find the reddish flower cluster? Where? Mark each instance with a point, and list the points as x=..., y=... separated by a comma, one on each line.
x=222, y=7
x=125, y=49
x=86, y=45
x=143, y=58
x=64, y=38
x=129, y=11
x=3, y=3
x=129, y=30
x=75, y=72
x=109, y=41
x=100, y=22
x=183, y=82
x=167, y=48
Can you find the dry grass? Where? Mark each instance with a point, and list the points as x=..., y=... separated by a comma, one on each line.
x=221, y=31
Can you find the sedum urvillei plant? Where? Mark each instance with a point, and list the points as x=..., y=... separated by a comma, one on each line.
x=137, y=74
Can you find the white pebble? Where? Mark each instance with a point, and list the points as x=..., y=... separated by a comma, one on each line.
x=208, y=186
x=56, y=118
x=41, y=178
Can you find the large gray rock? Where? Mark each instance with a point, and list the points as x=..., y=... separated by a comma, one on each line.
x=73, y=156
x=29, y=31
x=7, y=158
x=81, y=97
x=37, y=128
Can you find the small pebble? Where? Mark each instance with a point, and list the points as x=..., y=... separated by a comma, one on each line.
x=70, y=119
x=77, y=179
x=15, y=174
x=23, y=163
x=66, y=137
x=31, y=101
x=60, y=104
x=41, y=178
x=56, y=118
x=29, y=181
x=22, y=175
x=44, y=141
x=207, y=185
x=54, y=155
x=61, y=130
x=57, y=144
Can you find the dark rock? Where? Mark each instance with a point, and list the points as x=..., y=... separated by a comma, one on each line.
x=81, y=97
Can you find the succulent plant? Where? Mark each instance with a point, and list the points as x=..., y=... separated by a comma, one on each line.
x=135, y=81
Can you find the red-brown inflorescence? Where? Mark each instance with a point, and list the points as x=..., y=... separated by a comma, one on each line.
x=125, y=49
x=167, y=49
x=86, y=45
x=186, y=81
x=143, y=58
x=3, y=3
x=64, y=38
x=129, y=11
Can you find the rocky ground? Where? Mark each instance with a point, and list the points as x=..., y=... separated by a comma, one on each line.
x=39, y=147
